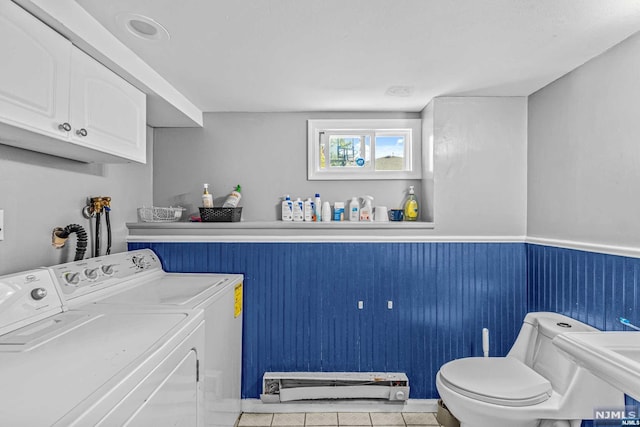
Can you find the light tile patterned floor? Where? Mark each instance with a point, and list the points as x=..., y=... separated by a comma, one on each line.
x=351, y=419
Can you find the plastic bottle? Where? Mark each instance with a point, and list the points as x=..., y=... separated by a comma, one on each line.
x=318, y=207
x=338, y=211
x=308, y=209
x=354, y=209
x=326, y=212
x=287, y=209
x=233, y=198
x=298, y=210
x=366, y=211
x=411, y=206
x=207, y=198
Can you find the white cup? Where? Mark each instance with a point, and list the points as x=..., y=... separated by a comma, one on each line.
x=381, y=214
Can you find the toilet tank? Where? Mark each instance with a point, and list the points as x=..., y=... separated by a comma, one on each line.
x=533, y=346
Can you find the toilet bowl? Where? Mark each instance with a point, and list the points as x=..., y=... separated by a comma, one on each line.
x=535, y=385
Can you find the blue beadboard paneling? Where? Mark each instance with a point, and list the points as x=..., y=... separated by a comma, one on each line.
x=592, y=287
x=301, y=312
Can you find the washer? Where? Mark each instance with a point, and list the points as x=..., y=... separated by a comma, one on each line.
x=136, y=281
x=76, y=367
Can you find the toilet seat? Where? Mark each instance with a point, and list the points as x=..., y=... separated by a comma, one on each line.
x=498, y=380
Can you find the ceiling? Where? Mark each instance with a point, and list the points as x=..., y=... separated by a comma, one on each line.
x=345, y=55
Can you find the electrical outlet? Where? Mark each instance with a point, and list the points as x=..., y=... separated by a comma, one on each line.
x=1, y=224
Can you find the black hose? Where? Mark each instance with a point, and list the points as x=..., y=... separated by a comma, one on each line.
x=81, y=237
x=96, y=248
x=108, y=221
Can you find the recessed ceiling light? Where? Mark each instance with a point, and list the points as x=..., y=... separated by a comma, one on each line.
x=142, y=26
x=403, y=91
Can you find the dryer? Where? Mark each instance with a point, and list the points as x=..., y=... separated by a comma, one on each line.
x=136, y=281
x=62, y=367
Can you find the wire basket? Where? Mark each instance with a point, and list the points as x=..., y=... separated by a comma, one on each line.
x=156, y=214
x=220, y=214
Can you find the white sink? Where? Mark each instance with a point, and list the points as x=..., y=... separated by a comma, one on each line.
x=611, y=356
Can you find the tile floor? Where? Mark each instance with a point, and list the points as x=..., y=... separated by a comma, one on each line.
x=375, y=419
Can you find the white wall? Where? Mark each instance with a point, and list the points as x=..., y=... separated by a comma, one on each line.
x=479, y=168
x=584, y=152
x=480, y=163
x=39, y=192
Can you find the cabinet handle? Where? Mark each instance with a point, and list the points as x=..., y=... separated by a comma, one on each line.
x=65, y=127
x=81, y=132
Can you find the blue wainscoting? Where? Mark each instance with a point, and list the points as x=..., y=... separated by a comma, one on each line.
x=300, y=305
x=594, y=288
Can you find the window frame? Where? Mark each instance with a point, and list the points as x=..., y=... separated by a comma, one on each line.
x=410, y=129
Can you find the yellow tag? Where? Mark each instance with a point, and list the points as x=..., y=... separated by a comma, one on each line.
x=237, y=303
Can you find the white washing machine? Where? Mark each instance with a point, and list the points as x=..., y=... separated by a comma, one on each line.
x=135, y=280
x=66, y=368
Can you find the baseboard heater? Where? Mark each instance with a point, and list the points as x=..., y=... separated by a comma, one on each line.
x=290, y=386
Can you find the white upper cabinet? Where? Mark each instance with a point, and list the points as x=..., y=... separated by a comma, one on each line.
x=107, y=113
x=34, y=76
x=50, y=89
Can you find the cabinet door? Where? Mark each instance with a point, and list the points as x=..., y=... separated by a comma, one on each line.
x=34, y=75
x=107, y=113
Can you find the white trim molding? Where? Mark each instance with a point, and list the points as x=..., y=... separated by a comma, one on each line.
x=627, y=251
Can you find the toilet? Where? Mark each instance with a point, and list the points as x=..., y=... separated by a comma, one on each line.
x=535, y=385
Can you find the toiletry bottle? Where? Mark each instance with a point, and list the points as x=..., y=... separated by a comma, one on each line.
x=318, y=207
x=298, y=210
x=233, y=199
x=366, y=211
x=326, y=212
x=338, y=211
x=207, y=198
x=308, y=209
x=354, y=209
x=287, y=209
x=411, y=206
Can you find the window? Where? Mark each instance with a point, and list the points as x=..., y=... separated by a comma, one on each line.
x=364, y=149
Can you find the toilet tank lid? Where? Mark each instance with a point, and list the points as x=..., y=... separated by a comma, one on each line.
x=552, y=324
x=499, y=380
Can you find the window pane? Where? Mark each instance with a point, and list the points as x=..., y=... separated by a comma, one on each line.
x=390, y=153
x=349, y=151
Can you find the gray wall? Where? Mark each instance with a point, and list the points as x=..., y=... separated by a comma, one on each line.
x=39, y=192
x=584, y=152
x=264, y=152
x=480, y=164
x=477, y=187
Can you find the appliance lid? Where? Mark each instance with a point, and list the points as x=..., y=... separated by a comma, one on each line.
x=498, y=380
x=170, y=290
x=93, y=359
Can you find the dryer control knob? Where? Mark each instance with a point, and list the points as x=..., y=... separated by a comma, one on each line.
x=72, y=278
x=400, y=395
x=38, y=293
x=107, y=269
x=91, y=273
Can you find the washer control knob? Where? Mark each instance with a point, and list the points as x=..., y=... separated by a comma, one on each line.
x=38, y=293
x=72, y=278
x=91, y=273
x=400, y=395
x=139, y=261
x=107, y=269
